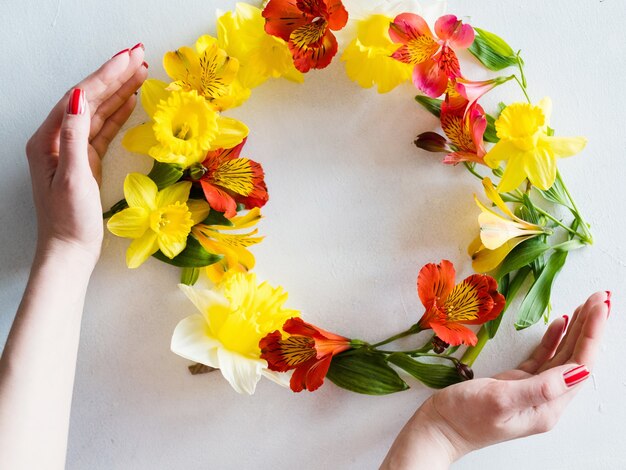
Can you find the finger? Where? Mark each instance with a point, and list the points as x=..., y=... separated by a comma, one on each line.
x=578, y=336
x=112, y=126
x=547, y=346
x=117, y=100
x=575, y=325
x=74, y=136
x=546, y=387
x=98, y=86
x=589, y=341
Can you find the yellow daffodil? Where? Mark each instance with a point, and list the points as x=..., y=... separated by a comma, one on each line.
x=526, y=146
x=242, y=35
x=499, y=233
x=232, y=321
x=209, y=71
x=156, y=220
x=234, y=246
x=183, y=126
x=368, y=57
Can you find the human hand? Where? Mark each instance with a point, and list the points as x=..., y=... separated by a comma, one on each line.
x=516, y=403
x=65, y=154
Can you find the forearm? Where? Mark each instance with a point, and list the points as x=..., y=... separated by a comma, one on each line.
x=39, y=360
x=419, y=446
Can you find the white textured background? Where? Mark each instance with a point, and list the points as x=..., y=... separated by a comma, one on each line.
x=355, y=210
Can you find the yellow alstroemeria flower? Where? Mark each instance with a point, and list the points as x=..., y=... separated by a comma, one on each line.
x=183, y=126
x=156, y=220
x=499, y=233
x=209, y=71
x=232, y=321
x=368, y=57
x=242, y=35
x=234, y=246
x=529, y=151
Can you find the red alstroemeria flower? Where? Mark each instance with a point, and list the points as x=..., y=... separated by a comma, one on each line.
x=308, y=350
x=306, y=27
x=228, y=179
x=464, y=124
x=434, y=60
x=474, y=301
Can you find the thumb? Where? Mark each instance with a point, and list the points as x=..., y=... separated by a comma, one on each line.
x=547, y=386
x=74, y=135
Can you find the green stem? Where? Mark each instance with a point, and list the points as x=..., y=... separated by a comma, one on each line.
x=523, y=89
x=559, y=223
x=588, y=236
x=411, y=331
x=471, y=169
x=471, y=354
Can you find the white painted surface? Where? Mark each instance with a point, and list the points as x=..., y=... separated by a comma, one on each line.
x=355, y=210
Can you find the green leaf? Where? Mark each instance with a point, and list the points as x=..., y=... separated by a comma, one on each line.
x=492, y=51
x=165, y=174
x=490, y=134
x=189, y=276
x=217, y=218
x=570, y=245
x=511, y=291
x=364, y=372
x=538, y=296
x=557, y=195
x=522, y=255
x=431, y=375
x=432, y=105
x=193, y=256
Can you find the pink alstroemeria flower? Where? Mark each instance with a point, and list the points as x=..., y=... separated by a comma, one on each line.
x=472, y=91
x=433, y=57
x=464, y=124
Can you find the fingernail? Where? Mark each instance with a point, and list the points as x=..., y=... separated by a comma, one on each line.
x=575, y=375
x=139, y=44
x=76, y=104
x=608, y=303
x=566, y=318
x=145, y=64
x=121, y=52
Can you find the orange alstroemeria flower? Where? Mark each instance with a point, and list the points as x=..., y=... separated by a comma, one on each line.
x=434, y=60
x=228, y=179
x=306, y=27
x=308, y=350
x=465, y=127
x=449, y=307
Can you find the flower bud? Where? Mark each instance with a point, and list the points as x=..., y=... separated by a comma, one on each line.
x=432, y=142
x=464, y=371
x=197, y=171
x=439, y=345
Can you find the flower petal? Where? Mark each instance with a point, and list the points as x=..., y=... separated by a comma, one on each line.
x=502, y=151
x=178, y=192
x=407, y=26
x=514, y=174
x=152, y=92
x=219, y=199
x=241, y=372
x=471, y=301
x=141, y=249
x=204, y=299
x=140, y=191
x=199, y=210
x=540, y=166
x=192, y=340
x=429, y=78
x=435, y=282
x=129, y=223
x=316, y=54
x=231, y=133
x=564, y=146
x=455, y=334
x=171, y=245
x=282, y=17
x=484, y=260
x=140, y=139
x=450, y=28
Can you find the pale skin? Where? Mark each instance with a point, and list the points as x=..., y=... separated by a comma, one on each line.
x=38, y=364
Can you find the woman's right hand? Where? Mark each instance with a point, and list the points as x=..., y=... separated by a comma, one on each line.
x=517, y=403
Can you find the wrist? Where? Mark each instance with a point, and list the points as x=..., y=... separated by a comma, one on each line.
x=66, y=254
x=421, y=445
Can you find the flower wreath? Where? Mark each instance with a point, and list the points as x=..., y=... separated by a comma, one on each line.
x=198, y=206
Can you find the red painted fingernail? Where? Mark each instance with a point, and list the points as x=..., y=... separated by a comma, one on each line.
x=121, y=52
x=145, y=64
x=76, y=104
x=566, y=318
x=139, y=44
x=575, y=375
